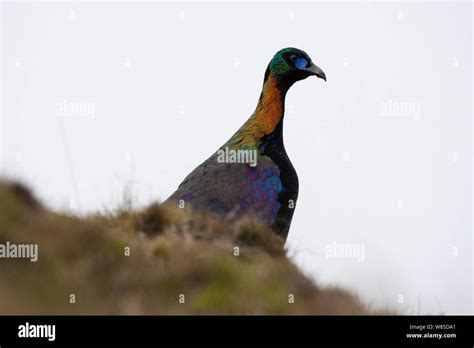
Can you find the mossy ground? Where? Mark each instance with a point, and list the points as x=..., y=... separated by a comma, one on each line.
x=173, y=252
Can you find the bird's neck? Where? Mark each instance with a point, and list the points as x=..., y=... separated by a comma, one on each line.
x=270, y=108
x=271, y=105
x=267, y=118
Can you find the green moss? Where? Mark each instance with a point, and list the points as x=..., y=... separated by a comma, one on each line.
x=160, y=250
x=118, y=247
x=213, y=297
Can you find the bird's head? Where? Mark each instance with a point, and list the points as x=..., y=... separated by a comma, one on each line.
x=291, y=64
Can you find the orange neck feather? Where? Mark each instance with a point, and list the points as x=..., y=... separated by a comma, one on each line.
x=264, y=120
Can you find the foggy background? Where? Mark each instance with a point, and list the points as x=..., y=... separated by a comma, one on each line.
x=98, y=97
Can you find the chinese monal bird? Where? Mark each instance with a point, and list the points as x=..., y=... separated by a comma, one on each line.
x=251, y=172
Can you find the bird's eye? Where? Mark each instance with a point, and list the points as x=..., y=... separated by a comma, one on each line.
x=293, y=57
x=301, y=63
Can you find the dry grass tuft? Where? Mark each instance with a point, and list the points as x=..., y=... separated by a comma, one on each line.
x=140, y=262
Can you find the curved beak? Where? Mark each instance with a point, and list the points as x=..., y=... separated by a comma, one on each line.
x=315, y=70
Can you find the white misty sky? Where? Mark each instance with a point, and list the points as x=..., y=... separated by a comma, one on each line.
x=171, y=82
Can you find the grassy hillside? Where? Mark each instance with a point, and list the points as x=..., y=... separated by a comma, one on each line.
x=143, y=262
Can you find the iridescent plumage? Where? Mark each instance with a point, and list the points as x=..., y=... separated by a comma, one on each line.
x=269, y=189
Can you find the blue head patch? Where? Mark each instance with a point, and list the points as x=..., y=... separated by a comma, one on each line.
x=301, y=63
